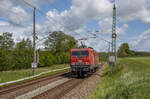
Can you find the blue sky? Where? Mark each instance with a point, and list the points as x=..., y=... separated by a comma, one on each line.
x=76, y=17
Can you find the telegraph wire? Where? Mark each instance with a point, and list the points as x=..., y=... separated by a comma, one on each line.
x=16, y=14
x=40, y=11
x=28, y=4
x=99, y=37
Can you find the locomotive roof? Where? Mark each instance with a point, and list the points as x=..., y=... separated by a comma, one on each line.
x=84, y=49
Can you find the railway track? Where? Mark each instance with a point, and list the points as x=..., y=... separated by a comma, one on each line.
x=62, y=89
x=55, y=92
x=11, y=91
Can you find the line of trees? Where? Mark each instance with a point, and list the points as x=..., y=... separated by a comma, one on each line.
x=124, y=51
x=57, y=47
x=20, y=55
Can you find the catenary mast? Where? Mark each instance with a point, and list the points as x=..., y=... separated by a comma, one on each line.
x=114, y=35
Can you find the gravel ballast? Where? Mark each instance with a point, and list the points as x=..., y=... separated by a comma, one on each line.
x=13, y=91
x=83, y=90
x=42, y=89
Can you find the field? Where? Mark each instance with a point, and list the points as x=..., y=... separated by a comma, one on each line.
x=18, y=74
x=130, y=80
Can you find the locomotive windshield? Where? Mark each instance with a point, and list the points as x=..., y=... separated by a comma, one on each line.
x=80, y=53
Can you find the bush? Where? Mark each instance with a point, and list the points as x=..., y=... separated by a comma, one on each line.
x=45, y=59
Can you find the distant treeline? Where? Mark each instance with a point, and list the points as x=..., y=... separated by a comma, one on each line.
x=20, y=55
x=103, y=56
x=124, y=51
x=139, y=54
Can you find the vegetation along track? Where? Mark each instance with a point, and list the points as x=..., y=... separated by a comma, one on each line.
x=62, y=89
x=12, y=91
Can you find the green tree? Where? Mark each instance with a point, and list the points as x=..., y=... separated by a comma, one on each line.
x=20, y=55
x=60, y=42
x=23, y=54
x=6, y=47
x=124, y=50
x=60, y=45
x=6, y=40
x=45, y=58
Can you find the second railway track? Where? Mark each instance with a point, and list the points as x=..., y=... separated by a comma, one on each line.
x=12, y=91
x=60, y=90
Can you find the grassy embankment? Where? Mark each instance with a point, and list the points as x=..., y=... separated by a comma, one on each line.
x=130, y=80
x=6, y=76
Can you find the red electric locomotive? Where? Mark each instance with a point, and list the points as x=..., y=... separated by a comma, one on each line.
x=83, y=61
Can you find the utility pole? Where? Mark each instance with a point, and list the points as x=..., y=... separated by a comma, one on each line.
x=113, y=57
x=34, y=64
x=114, y=35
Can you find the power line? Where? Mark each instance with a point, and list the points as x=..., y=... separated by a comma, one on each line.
x=100, y=37
x=28, y=4
x=36, y=7
x=38, y=41
x=16, y=14
x=8, y=10
x=40, y=11
x=12, y=23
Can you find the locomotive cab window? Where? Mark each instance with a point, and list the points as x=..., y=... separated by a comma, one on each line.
x=80, y=53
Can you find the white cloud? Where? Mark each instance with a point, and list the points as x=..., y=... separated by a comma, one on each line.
x=129, y=10
x=18, y=32
x=5, y=5
x=122, y=29
x=91, y=9
x=14, y=14
x=18, y=15
x=98, y=44
x=73, y=21
x=142, y=42
x=27, y=3
x=33, y=3
x=81, y=11
x=3, y=23
x=64, y=21
x=106, y=27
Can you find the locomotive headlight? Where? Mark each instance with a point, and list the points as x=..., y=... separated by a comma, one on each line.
x=86, y=63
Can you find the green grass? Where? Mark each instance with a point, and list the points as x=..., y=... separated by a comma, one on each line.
x=6, y=76
x=130, y=80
